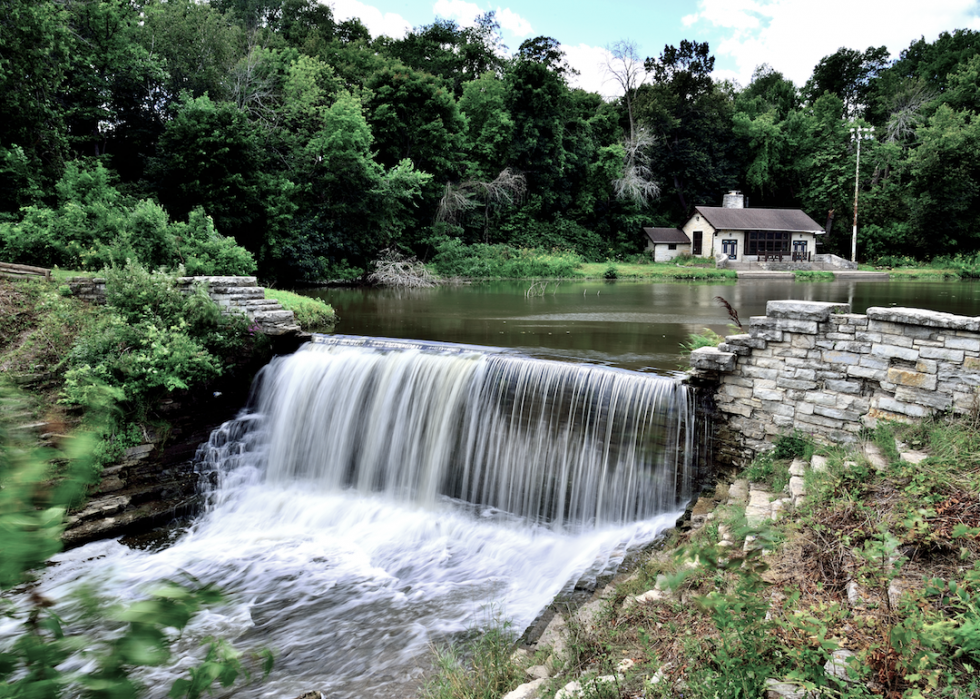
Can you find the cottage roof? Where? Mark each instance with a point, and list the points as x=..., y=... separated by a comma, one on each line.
x=667, y=235
x=792, y=220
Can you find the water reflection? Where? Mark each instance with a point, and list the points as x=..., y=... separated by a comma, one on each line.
x=633, y=325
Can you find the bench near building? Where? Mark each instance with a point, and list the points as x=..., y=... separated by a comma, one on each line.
x=732, y=234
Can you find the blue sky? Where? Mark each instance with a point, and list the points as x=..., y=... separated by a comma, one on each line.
x=790, y=35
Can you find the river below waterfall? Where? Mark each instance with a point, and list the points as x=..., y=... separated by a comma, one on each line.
x=377, y=499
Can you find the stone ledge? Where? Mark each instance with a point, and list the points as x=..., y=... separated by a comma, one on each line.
x=712, y=359
x=919, y=316
x=805, y=310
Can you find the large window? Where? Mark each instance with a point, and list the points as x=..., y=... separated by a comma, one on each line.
x=767, y=242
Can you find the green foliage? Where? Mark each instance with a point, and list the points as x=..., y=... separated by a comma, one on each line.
x=813, y=276
x=480, y=668
x=33, y=502
x=793, y=445
x=709, y=338
x=95, y=225
x=480, y=261
x=312, y=314
x=150, y=339
x=610, y=272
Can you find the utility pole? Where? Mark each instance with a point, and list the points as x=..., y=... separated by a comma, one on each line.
x=858, y=133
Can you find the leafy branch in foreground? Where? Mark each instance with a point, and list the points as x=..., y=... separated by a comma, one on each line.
x=34, y=497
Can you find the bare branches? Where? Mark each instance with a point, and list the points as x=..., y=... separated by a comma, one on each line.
x=636, y=183
x=506, y=189
x=623, y=64
x=394, y=269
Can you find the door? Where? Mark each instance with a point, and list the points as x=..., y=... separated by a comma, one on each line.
x=799, y=250
x=696, y=246
x=730, y=248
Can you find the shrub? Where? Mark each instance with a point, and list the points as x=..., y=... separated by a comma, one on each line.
x=95, y=226
x=454, y=259
x=149, y=339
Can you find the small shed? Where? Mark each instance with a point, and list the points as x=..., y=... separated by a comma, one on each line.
x=667, y=243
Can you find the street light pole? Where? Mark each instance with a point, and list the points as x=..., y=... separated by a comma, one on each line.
x=858, y=134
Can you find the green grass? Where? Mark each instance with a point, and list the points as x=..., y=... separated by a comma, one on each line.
x=313, y=315
x=813, y=276
x=659, y=270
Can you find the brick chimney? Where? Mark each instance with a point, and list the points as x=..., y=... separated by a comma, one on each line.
x=733, y=200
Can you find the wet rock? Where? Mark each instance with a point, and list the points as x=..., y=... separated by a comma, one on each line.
x=528, y=690
x=315, y=694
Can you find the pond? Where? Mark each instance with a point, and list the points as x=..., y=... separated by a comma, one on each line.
x=630, y=325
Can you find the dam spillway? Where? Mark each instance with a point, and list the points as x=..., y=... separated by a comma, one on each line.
x=379, y=497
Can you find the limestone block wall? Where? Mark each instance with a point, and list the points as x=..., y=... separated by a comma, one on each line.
x=820, y=369
x=232, y=294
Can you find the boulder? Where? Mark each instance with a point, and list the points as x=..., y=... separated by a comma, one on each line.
x=528, y=690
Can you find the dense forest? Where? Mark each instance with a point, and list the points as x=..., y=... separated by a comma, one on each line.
x=167, y=132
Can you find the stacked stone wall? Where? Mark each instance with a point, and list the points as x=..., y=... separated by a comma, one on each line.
x=232, y=294
x=822, y=370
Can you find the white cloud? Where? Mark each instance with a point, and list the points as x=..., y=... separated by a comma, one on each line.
x=513, y=22
x=590, y=62
x=376, y=21
x=793, y=35
x=465, y=13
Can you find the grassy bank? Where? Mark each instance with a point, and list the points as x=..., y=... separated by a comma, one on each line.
x=666, y=271
x=312, y=314
x=876, y=572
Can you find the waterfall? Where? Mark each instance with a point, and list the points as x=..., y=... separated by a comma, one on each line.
x=377, y=498
x=565, y=444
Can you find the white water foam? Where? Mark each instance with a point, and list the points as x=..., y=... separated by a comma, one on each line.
x=351, y=584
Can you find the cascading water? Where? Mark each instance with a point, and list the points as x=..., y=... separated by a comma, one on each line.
x=378, y=497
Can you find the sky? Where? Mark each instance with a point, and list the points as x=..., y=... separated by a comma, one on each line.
x=789, y=35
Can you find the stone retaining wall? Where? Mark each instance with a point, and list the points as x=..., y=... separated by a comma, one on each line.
x=820, y=369
x=232, y=294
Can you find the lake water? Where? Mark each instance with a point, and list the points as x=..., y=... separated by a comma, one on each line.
x=630, y=325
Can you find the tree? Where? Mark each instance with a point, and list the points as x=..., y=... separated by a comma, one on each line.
x=489, y=126
x=455, y=54
x=691, y=119
x=211, y=156
x=636, y=181
x=414, y=116
x=537, y=100
x=35, y=49
x=850, y=75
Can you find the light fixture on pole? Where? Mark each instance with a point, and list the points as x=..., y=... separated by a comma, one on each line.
x=858, y=133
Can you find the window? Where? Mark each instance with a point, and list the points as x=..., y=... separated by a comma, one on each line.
x=696, y=248
x=671, y=246
x=767, y=242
